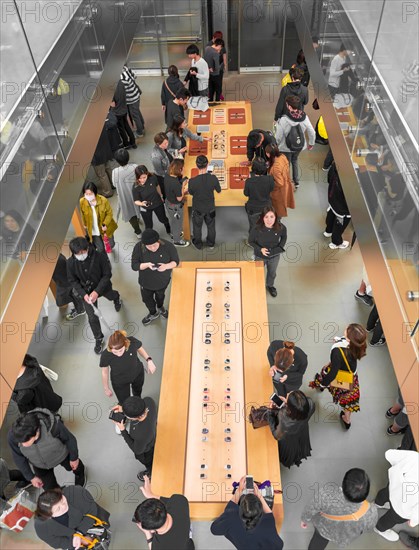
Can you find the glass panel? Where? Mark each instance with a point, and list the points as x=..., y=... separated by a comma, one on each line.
x=261, y=32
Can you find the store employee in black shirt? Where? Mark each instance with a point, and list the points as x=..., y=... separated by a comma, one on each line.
x=258, y=188
x=148, y=196
x=127, y=371
x=141, y=436
x=154, y=259
x=202, y=188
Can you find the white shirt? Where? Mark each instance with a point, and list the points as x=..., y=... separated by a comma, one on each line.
x=203, y=73
x=404, y=479
x=95, y=225
x=336, y=70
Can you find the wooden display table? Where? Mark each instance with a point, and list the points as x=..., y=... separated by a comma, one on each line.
x=230, y=123
x=215, y=368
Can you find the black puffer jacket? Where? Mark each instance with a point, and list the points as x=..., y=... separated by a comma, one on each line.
x=80, y=274
x=336, y=197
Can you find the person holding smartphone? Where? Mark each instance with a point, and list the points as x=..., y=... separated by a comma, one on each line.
x=289, y=426
x=268, y=239
x=288, y=365
x=247, y=520
x=154, y=259
x=121, y=360
x=176, y=189
x=148, y=196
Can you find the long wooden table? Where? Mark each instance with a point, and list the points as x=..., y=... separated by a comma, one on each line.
x=200, y=430
x=229, y=125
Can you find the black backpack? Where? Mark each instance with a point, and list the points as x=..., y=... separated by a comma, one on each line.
x=295, y=139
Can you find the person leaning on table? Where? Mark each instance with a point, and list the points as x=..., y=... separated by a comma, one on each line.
x=248, y=522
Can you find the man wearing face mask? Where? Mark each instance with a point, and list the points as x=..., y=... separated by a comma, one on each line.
x=89, y=273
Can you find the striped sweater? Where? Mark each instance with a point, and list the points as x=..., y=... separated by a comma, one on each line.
x=132, y=89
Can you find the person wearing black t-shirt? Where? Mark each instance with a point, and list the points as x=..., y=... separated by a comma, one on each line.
x=148, y=196
x=154, y=259
x=202, y=188
x=164, y=521
x=248, y=522
x=288, y=363
x=258, y=187
x=63, y=514
x=126, y=369
x=176, y=188
x=268, y=239
x=141, y=434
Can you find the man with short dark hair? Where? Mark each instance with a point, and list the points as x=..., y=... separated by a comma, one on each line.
x=212, y=57
x=165, y=522
x=177, y=106
x=89, y=273
x=202, y=188
x=258, y=188
x=295, y=87
x=257, y=141
x=201, y=67
x=154, y=259
x=141, y=435
x=340, y=514
x=39, y=442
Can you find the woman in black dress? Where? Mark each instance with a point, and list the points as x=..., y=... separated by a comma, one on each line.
x=33, y=389
x=148, y=196
x=289, y=426
x=288, y=365
x=344, y=355
x=62, y=514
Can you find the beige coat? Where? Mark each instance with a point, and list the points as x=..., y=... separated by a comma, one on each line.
x=283, y=194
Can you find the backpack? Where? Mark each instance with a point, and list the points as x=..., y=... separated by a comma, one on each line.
x=295, y=139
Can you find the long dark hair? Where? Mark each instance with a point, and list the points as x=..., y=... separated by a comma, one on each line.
x=178, y=120
x=250, y=510
x=141, y=170
x=298, y=406
x=260, y=223
x=273, y=152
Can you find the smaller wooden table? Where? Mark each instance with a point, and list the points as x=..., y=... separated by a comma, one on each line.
x=230, y=123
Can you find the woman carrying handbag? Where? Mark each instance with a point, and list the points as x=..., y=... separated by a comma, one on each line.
x=340, y=375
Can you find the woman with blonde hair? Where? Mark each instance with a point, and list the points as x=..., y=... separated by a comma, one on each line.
x=282, y=196
x=344, y=355
x=288, y=365
x=120, y=360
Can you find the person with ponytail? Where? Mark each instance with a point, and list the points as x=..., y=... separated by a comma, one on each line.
x=126, y=369
x=288, y=364
x=345, y=353
x=247, y=521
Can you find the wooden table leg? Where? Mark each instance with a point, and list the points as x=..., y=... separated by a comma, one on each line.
x=186, y=224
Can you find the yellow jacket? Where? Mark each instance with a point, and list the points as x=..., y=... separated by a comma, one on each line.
x=321, y=128
x=104, y=215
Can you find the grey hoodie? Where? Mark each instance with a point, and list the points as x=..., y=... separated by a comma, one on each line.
x=285, y=124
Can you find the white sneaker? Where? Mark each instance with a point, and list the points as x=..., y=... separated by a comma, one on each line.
x=326, y=234
x=345, y=244
x=385, y=506
x=390, y=535
x=118, y=431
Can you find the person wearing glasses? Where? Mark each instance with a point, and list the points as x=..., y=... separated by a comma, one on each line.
x=141, y=436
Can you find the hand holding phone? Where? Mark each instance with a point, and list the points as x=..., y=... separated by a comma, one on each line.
x=249, y=486
x=117, y=416
x=275, y=398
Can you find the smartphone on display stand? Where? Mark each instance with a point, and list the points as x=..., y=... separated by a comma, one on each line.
x=277, y=400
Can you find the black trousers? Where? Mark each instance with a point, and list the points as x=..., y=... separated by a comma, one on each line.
x=333, y=91
x=292, y=157
x=161, y=216
x=49, y=479
x=374, y=324
x=94, y=322
x=146, y=458
x=123, y=391
x=215, y=87
x=153, y=299
x=317, y=541
x=127, y=135
x=198, y=219
x=336, y=226
x=253, y=214
x=135, y=224
x=327, y=163
x=390, y=518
